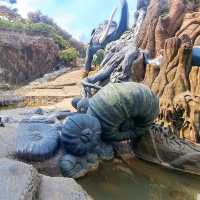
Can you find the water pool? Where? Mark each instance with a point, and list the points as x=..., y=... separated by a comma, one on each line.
x=140, y=181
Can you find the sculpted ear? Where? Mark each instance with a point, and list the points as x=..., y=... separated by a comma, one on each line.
x=105, y=33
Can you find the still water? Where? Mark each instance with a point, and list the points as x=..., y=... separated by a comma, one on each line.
x=140, y=181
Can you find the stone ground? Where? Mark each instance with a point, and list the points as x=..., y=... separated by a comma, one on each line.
x=56, y=94
x=23, y=181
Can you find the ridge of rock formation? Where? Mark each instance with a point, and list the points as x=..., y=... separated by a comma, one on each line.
x=171, y=29
x=22, y=57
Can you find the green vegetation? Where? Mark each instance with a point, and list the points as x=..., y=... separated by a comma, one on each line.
x=39, y=24
x=68, y=55
x=35, y=29
x=98, y=57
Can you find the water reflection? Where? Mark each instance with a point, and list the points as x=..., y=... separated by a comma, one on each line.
x=141, y=181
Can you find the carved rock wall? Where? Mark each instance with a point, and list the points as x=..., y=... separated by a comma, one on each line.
x=163, y=19
x=171, y=28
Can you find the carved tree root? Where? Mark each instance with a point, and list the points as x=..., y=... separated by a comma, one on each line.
x=179, y=107
x=190, y=105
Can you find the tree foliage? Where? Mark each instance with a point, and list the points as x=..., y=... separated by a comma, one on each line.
x=68, y=55
x=40, y=24
x=35, y=29
x=38, y=17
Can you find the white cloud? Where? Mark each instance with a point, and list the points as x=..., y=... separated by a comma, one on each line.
x=25, y=6
x=67, y=22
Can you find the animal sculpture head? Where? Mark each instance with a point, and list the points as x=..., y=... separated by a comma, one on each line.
x=106, y=33
x=81, y=133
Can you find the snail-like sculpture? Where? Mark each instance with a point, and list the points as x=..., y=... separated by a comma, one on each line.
x=80, y=134
x=124, y=110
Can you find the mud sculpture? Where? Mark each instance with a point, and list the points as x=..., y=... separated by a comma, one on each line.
x=175, y=82
x=163, y=20
x=42, y=137
x=72, y=166
x=119, y=111
x=106, y=33
x=117, y=66
x=81, y=138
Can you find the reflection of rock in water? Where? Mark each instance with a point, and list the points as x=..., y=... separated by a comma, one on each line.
x=143, y=182
x=163, y=193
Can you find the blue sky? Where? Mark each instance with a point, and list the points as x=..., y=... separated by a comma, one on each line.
x=78, y=17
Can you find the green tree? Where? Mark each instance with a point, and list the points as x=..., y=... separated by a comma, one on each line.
x=68, y=55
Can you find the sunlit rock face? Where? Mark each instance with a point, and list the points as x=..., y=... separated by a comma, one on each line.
x=163, y=20
x=171, y=28
x=25, y=57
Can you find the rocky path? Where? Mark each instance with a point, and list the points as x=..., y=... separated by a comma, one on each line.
x=53, y=94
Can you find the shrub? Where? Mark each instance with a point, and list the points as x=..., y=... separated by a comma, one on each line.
x=36, y=29
x=98, y=57
x=63, y=44
x=68, y=55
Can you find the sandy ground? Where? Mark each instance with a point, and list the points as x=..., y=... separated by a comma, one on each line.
x=65, y=87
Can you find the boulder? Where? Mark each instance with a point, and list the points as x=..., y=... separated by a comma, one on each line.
x=58, y=188
x=19, y=181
